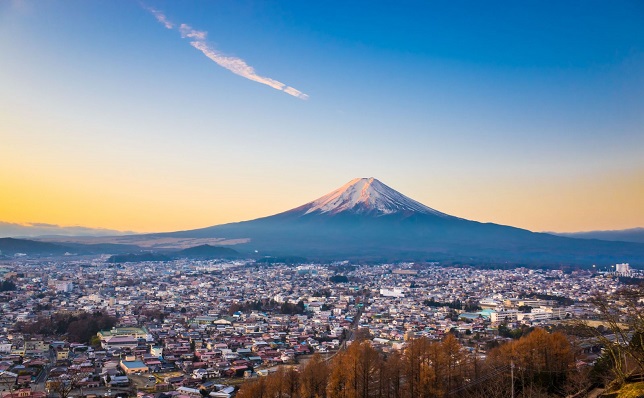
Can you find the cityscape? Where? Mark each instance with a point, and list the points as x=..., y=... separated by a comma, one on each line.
x=206, y=326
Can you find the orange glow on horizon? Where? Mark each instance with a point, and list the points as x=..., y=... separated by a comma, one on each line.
x=539, y=206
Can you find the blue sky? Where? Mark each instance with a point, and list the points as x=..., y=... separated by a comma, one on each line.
x=527, y=114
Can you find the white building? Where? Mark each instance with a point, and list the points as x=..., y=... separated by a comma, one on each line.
x=64, y=287
x=536, y=314
x=623, y=269
x=500, y=316
x=395, y=292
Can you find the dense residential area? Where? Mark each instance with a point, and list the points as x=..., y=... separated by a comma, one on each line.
x=85, y=327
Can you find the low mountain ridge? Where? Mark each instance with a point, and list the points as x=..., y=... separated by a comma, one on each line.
x=13, y=246
x=625, y=235
x=202, y=252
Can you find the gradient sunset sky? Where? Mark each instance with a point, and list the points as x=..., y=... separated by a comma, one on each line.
x=172, y=115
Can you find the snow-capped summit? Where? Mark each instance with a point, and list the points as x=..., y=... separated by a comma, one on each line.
x=366, y=196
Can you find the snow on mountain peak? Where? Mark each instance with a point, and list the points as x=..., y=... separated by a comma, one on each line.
x=367, y=195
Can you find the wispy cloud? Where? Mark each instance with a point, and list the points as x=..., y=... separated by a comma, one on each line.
x=187, y=31
x=161, y=18
x=234, y=64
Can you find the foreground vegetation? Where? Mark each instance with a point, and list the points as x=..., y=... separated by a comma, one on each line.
x=544, y=365
x=536, y=364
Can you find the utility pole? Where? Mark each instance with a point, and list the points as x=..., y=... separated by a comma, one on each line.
x=512, y=377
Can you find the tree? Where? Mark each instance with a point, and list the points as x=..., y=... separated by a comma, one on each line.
x=7, y=380
x=78, y=328
x=338, y=384
x=430, y=369
x=65, y=384
x=78, y=379
x=314, y=377
x=339, y=279
x=254, y=389
x=391, y=376
x=354, y=372
x=95, y=341
x=542, y=361
x=7, y=286
x=623, y=315
x=418, y=369
x=456, y=362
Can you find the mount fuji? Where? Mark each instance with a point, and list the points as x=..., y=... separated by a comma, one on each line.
x=366, y=219
x=366, y=196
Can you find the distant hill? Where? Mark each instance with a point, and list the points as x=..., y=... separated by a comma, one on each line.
x=202, y=252
x=31, y=230
x=207, y=252
x=11, y=246
x=625, y=235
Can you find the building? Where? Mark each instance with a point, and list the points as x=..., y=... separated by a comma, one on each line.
x=25, y=393
x=5, y=347
x=623, y=269
x=119, y=381
x=489, y=304
x=130, y=367
x=156, y=351
x=395, y=292
x=190, y=392
x=404, y=272
x=119, y=342
x=64, y=287
x=134, y=333
x=501, y=316
x=62, y=353
x=536, y=315
x=35, y=347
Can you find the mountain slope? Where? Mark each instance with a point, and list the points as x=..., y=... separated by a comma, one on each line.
x=367, y=219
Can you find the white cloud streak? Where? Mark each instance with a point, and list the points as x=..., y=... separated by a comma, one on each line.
x=161, y=18
x=234, y=64
x=187, y=31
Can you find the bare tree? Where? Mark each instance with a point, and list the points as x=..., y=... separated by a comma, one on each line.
x=7, y=381
x=63, y=385
x=623, y=316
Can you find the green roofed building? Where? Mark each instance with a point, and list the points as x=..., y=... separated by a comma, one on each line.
x=135, y=333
